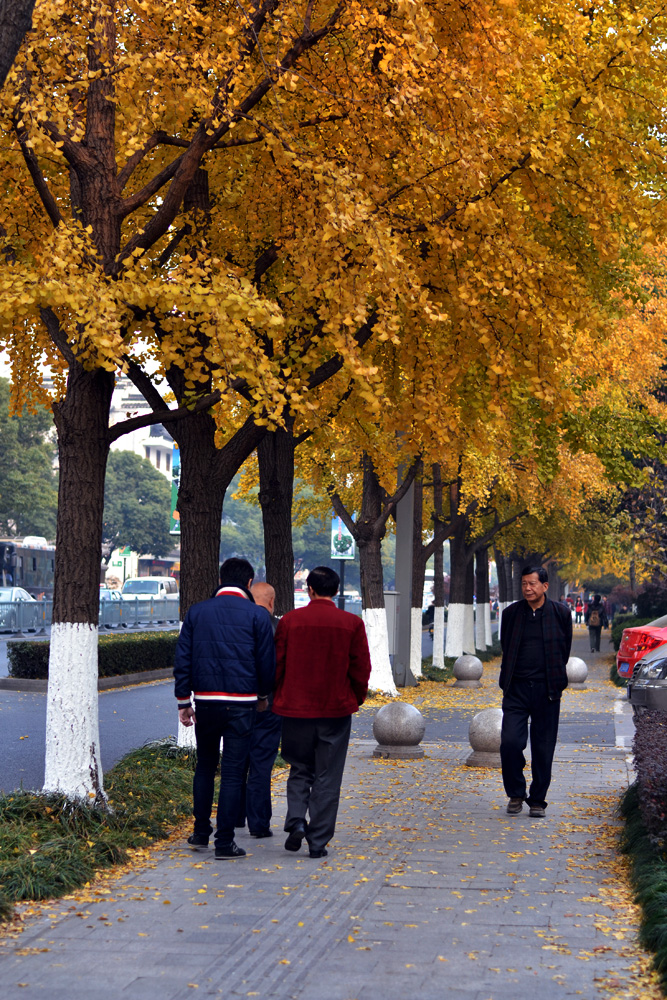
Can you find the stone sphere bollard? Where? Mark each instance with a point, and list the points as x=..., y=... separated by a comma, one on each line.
x=399, y=729
x=484, y=736
x=468, y=669
x=577, y=672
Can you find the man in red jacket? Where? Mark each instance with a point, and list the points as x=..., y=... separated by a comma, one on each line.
x=322, y=671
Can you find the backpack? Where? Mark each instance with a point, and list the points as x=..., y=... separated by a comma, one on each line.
x=594, y=620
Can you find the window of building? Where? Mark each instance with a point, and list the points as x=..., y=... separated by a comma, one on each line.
x=167, y=462
x=157, y=459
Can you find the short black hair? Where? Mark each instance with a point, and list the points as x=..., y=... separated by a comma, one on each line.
x=236, y=572
x=324, y=581
x=542, y=574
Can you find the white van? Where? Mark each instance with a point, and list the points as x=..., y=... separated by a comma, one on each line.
x=145, y=588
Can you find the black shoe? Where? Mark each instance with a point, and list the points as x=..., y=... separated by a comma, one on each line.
x=228, y=852
x=258, y=834
x=296, y=835
x=514, y=806
x=197, y=842
x=319, y=854
x=537, y=812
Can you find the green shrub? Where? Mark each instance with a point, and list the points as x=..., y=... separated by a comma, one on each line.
x=50, y=845
x=625, y=621
x=134, y=652
x=648, y=873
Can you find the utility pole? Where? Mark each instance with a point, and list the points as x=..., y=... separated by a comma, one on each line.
x=404, y=531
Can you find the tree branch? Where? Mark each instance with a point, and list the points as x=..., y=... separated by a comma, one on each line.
x=162, y=416
x=38, y=179
x=55, y=331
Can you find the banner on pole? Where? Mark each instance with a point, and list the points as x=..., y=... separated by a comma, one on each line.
x=175, y=517
x=342, y=542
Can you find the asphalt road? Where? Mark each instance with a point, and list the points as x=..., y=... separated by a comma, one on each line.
x=128, y=718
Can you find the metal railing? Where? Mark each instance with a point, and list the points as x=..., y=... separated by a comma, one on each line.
x=19, y=617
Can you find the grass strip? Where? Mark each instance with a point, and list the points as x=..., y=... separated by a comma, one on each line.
x=648, y=872
x=50, y=845
x=615, y=677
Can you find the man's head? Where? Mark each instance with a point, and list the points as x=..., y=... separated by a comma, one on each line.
x=534, y=584
x=236, y=572
x=323, y=581
x=264, y=595
x=597, y=598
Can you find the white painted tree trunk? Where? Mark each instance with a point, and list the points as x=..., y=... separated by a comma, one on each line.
x=455, y=630
x=382, y=679
x=416, y=642
x=439, y=637
x=469, y=628
x=501, y=607
x=480, y=629
x=487, y=624
x=73, y=767
x=186, y=734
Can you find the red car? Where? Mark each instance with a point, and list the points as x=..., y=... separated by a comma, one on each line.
x=639, y=640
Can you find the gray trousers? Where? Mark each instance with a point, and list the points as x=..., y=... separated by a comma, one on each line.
x=316, y=750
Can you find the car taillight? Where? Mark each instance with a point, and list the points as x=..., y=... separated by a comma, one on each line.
x=646, y=641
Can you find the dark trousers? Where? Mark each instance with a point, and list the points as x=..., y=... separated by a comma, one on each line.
x=523, y=701
x=256, y=793
x=594, y=633
x=315, y=749
x=217, y=719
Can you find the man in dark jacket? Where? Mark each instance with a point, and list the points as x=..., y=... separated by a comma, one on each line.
x=536, y=637
x=225, y=657
x=322, y=671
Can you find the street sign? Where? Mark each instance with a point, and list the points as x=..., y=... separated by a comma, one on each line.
x=175, y=522
x=342, y=542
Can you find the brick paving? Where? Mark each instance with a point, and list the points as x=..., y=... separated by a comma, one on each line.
x=430, y=891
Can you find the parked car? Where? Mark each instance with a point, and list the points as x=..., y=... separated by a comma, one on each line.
x=146, y=587
x=107, y=594
x=12, y=616
x=648, y=686
x=637, y=641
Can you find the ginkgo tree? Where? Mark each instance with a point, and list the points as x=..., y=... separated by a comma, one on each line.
x=466, y=175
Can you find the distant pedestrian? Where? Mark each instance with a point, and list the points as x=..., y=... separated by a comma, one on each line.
x=536, y=637
x=264, y=743
x=579, y=610
x=596, y=619
x=225, y=655
x=322, y=671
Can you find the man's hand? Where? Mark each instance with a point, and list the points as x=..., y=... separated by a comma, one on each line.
x=262, y=704
x=187, y=715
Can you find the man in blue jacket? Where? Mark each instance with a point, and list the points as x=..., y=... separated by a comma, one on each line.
x=226, y=657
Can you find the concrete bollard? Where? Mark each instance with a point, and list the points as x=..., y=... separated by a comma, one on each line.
x=577, y=672
x=468, y=670
x=399, y=729
x=484, y=737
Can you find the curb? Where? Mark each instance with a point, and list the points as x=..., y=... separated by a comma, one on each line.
x=103, y=683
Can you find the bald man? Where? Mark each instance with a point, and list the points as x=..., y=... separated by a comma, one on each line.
x=264, y=743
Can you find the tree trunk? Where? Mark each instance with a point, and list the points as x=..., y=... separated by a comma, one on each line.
x=482, y=618
x=72, y=765
x=275, y=454
x=418, y=572
x=502, y=565
x=469, y=613
x=369, y=540
x=15, y=22
x=457, y=590
x=438, y=577
x=439, y=609
x=517, y=566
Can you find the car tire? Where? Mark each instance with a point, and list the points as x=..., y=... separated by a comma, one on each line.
x=638, y=710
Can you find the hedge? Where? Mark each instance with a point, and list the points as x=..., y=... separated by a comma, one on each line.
x=117, y=655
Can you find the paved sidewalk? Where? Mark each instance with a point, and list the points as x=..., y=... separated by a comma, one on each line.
x=430, y=891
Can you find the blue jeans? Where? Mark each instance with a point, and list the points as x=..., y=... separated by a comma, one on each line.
x=233, y=723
